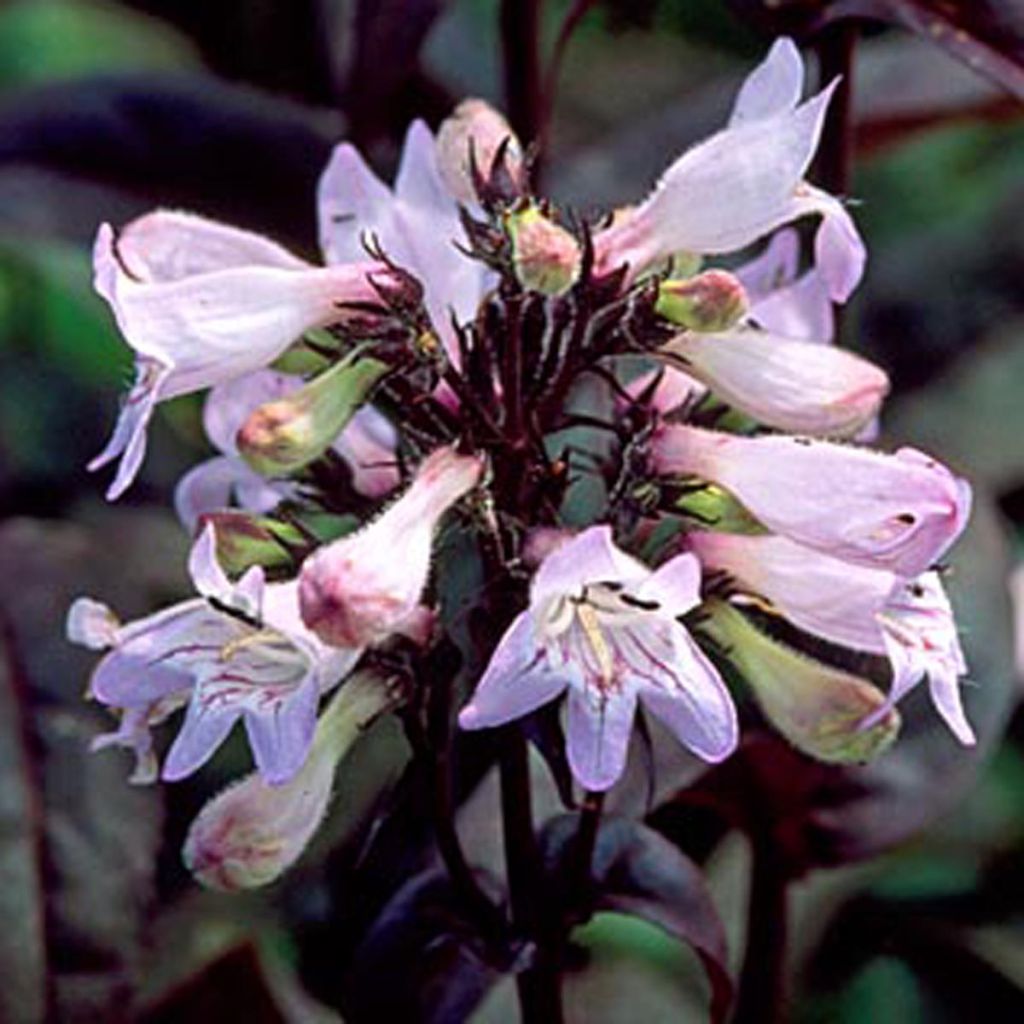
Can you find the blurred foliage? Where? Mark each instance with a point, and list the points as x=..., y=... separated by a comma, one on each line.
x=109, y=108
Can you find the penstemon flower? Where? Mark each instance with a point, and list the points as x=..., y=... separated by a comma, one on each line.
x=416, y=440
x=239, y=651
x=604, y=626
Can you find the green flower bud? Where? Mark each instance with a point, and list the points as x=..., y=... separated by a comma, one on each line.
x=819, y=709
x=245, y=540
x=282, y=436
x=712, y=301
x=251, y=833
x=546, y=257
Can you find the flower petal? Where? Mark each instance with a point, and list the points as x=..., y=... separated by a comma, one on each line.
x=516, y=681
x=801, y=310
x=944, y=688
x=839, y=251
x=353, y=204
x=722, y=194
x=281, y=732
x=599, y=729
x=773, y=87
x=590, y=557
x=674, y=585
x=825, y=596
x=91, y=624
x=129, y=437
x=206, y=488
x=792, y=385
x=699, y=711
x=773, y=268
x=204, y=729
x=170, y=245
x=205, y=571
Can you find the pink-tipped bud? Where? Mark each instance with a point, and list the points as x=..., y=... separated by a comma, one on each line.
x=362, y=588
x=251, y=833
x=821, y=710
x=475, y=132
x=712, y=301
x=286, y=434
x=546, y=257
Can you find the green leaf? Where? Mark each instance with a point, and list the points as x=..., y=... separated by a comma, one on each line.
x=42, y=40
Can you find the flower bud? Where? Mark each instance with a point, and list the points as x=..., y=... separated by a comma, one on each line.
x=245, y=540
x=472, y=134
x=251, y=833
x=362, y=588
x=819, y=709
x=546, y=257
x=284, y=435
x=800, y=386
x=712, y=301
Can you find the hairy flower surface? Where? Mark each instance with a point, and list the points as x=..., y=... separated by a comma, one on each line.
x=605, y=627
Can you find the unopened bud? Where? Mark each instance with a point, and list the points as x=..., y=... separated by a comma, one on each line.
x=251, y=833
x=282, y=436
x=245, y=540
x=361, y=589
x=546, y=257
x=474, y=133
x=712, y=301
x=820, y=709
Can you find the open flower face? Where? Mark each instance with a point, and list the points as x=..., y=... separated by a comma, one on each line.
x=605, y=627
x=238, y=651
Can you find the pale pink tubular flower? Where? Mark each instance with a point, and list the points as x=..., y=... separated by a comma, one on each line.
x=908, y=621
x=740, y=184
x=899, y=512
x=202, y=303
x=362, y=588
x=367, y=444
x=416, y=224
x=237, y=651
x=604, y=626
x=791, y=385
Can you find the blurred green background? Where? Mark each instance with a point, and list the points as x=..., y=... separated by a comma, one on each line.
x=108, y=109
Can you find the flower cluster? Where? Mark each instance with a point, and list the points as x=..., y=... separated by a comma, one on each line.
x=678, y=451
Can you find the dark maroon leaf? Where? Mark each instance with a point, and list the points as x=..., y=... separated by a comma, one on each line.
x=23, y=952
x=422, y=961
x=389, y=35
x=223, y=150
x=636, y=871
x=988, y=35
x=94, y=836
x=233, y=987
